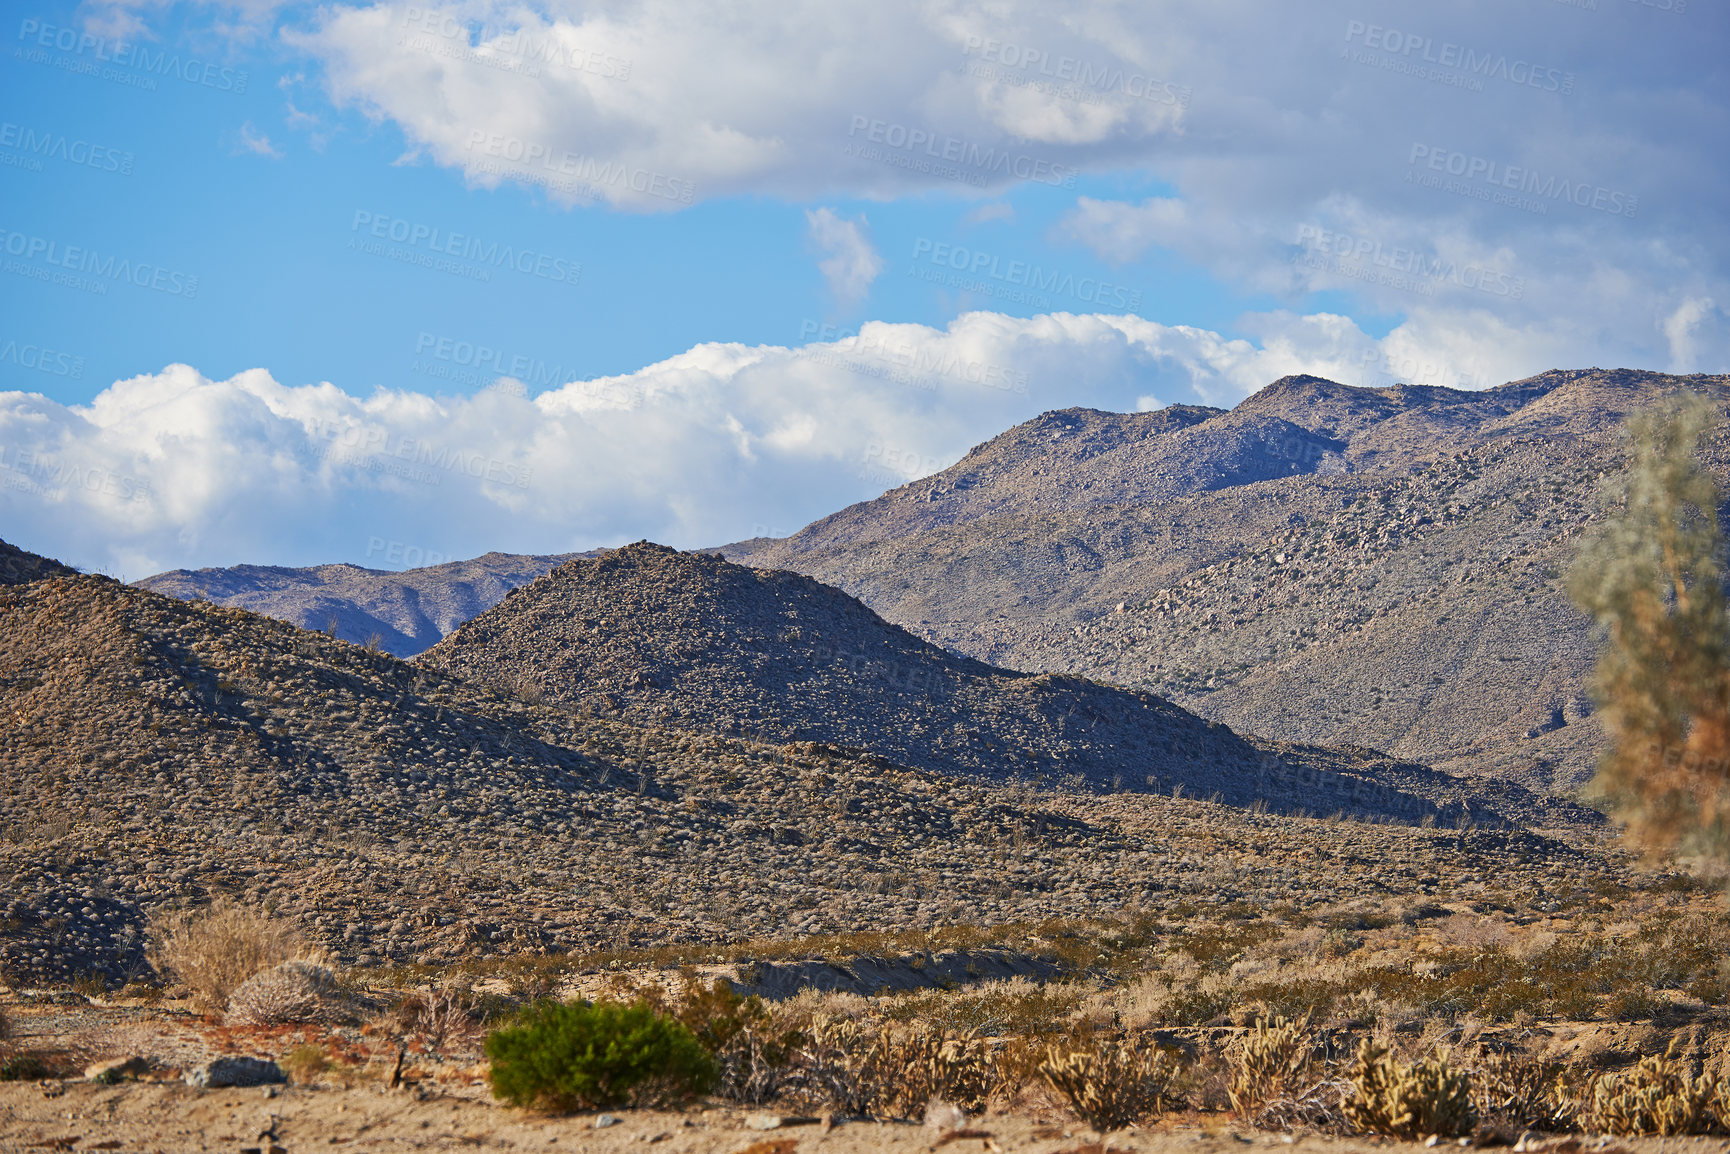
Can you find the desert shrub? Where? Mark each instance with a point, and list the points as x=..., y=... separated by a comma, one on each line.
x=752, y=1051
x=572, y=1055
x=1652, y=578
x=1656, y=1097
x=926, y=1063
x=211, y=952
x=304, y=1064
x=1277, y=1077
x=1269, y=1062
x=290, y=992
x=440, y=1017
x=997, y=1008
x=891, y=1070
x=1112, y=1083
x=1513, y=1093
x=1427, y=1097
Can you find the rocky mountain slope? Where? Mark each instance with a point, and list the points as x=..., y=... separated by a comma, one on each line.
x=18, y=567
x=156, y=752
x=1373, y=567
x=691, y=641
x=400, y=612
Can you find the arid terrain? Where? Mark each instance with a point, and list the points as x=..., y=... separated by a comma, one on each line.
x=1189, y=788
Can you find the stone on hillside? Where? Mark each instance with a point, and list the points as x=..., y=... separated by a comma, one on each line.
x=235, y=1072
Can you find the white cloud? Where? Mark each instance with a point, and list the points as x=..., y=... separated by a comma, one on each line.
x=174, y=469
x=256, y=142
x=1263, y=128
x=849, y=262
x=1698, y=335
x=997, y=210
x=1122, y=233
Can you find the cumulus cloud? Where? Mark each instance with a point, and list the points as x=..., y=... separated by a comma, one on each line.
x=661, y=104
x=174, y=469
x=1534, y=171
x=849, y=262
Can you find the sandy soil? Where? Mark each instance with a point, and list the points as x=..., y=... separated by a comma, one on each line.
x=170, y=1118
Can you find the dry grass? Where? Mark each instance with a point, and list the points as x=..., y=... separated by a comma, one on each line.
x=213, y=951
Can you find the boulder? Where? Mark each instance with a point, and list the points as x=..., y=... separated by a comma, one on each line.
x=235, y=1072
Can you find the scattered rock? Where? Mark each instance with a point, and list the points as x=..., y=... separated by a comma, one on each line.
x=777, y=1121
x=235, y=1072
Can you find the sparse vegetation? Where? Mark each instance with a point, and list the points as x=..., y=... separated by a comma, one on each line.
x=289, y=992
x=213, y=951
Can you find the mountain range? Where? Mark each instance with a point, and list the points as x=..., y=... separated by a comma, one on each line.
x=159, y=752
x=1323, y=564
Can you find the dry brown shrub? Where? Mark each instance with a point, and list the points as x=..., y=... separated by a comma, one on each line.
x=1429, y=1097
x=1514, y=1093
x=213, y=950
x=889, y=1070
x=1656, y=1097
x=443, y=1018
x=1113, y=1083
x=289, y=993
x=1278, y=1077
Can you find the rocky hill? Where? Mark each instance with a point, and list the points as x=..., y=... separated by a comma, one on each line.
x=400, y=612
x=690, y=641
x=1370, y=567
x=157, y=752
x=18, y=567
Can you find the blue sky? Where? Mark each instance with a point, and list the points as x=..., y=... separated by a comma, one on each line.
x=776, y=258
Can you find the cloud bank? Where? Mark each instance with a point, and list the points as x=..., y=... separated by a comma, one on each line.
x=722, y=442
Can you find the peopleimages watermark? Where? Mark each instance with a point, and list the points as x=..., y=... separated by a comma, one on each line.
x=581, y=176
x=87, y=269
x=456, y=253
x=902, y=362
x=1446, y=63
x=381, y=451
x=137, y=65
x=44, y=475
x=975, y=270
x=437, y=32
x=41, y=359
x=1066, y=77
x=470, y=362
x=401, y=556
x=887, y=465
x=949, y=157
x=1394, y=266
x=29, y=147
x=1524, y=188
x=1378, y=369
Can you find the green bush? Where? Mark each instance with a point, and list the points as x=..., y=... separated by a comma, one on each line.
x=574, y=1055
